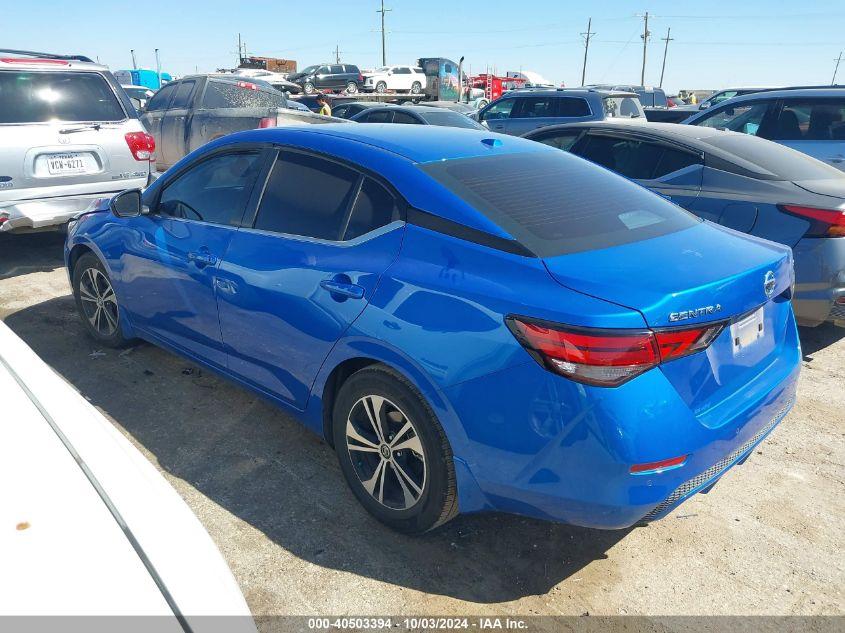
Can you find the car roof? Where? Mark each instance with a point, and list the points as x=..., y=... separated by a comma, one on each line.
x=787, y=92
x=570, y=92
x=14, y=62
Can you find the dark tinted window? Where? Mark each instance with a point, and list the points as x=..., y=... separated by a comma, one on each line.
x=182, y=98
x=352, y=69
x=374, y=207
x=809, y=120
x=560, y=140
x=239, y=94
x=306, y=196
x=533, y=107
x=448, y=118
x=554, y=203
x=402, y=71
x=674, y=160
x=379, y=116
x=336, y=70
x=216, y=191
x=404, y=117
x=634, y=159
x=569, y=106
x=161, y=98
x=27, y=97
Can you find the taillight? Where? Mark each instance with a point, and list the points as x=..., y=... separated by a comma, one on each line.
x=658, y=467
x=142, y=145
x=268, y=121
x=360, y=77
x=607, y=358
x=824, y=222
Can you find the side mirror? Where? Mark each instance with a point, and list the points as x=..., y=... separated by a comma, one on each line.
x=127, y=204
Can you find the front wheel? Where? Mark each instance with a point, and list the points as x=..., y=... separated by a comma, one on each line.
x=351, y=88
x=381, y=87
x=393, y=452
x=96, y=301
x=416, y=88
x=308, y=88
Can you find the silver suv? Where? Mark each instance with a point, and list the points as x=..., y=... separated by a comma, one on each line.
x=70, y=136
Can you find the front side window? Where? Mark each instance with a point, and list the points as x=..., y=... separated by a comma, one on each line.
x=533, y=108
x=306, y=196
x=547, y=201
x=721, y=96
x=572, y=107
x=379, y=116
x=161, y=98
x=742, y=117
x=215, y=191
x=336, y=70
x=39, y=97
x=499, y=110
x=404, y=117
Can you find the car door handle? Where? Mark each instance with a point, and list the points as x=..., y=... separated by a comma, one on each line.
x=202, y=258
x=342, y=288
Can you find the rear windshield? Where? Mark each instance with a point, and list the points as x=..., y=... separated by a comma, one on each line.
x=450, y=119
x=39, y=97
x=241, y=94
x=555, y=203
x=781, y=161
x=625, y=107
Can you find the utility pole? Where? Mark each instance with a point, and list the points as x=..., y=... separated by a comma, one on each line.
x=158, y=69
x=337, y=54
x=836, y=69
x=586, y=37
x=383, y=51
x=134, y=64
x=645, y=36
x=666, y=39
x=240, y=50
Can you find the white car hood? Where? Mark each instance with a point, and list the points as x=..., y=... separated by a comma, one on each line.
x=87, y=525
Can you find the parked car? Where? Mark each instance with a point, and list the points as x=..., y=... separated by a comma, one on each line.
x=188, y=113
x=348, y=109
x=723, y=95
x=310, y=101
x=334, y=77
x=138, y=95
x=70, y=136
x=809, y=120
x=738, y=181
x=456, y=106
x=91, y=528
x=472, y=321
x=395, y=78
x=650, y=96
x=416, y=115
x=520, y=111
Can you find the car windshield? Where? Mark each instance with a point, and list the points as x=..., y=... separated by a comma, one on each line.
x=308, y=70
x=40, y=97
x=555, y=203
x=448, y=118
x=777, y=159
x=626, y=107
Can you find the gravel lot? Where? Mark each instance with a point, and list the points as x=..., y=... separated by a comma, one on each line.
x=766, y=540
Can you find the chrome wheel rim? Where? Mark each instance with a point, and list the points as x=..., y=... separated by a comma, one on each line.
x=98, y=301
x=351, y=88
x=386, y=452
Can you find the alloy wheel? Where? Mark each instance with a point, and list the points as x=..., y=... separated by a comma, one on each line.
x=386, y=452
x=98, y=301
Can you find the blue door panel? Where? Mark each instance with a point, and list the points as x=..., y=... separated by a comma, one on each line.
x=284, y=301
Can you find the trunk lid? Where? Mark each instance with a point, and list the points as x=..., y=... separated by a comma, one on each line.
x=832, y=187
x=702, y=274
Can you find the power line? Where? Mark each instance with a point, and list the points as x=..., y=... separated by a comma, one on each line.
x=586, y=37
x=666, y=39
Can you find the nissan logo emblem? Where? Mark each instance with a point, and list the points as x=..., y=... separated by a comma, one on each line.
x=769, y=283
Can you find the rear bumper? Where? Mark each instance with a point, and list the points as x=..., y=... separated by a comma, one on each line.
x=819, y=280
x=45, y=213
x=542, y=446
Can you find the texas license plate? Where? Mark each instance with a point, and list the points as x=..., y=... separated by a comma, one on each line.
x=747, y=331
x=71, y=163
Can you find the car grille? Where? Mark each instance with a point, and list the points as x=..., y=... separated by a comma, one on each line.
x=716, y=469
x=838, y=311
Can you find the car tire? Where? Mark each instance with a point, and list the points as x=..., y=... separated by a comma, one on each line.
x=308, y=88
x=381, y=86
x=412, y=488
x=416, y=88
x=351, y=88
x=96, y=301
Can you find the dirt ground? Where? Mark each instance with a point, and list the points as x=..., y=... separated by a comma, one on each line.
x=768, y=539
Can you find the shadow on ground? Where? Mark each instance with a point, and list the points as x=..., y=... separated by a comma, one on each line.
x=262, y=466
x=25, y=253
x=814, y=339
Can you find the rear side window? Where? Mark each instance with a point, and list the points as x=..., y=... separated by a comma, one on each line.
x=555, y=204
x=306, y=196
x=404, y=117
x=809, y=120
x=635, y=159
x=448, y=118
x=380, y=116
x=182, y=98
x=374, y=207
x=533, y=108
x=569, y=106
x=241, y=94
x=215, y=191
x=337, y=70
x=625, y=107
x=38, y=97
x=561, y=140
x=161, y=98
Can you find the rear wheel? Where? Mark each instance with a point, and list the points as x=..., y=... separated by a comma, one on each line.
x=416, y=88
x=96, y=301
x=308, y=88
x=393, y=451
x=381, y=86
x=351, y=87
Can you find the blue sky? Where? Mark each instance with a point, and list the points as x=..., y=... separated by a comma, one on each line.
x=715, y=44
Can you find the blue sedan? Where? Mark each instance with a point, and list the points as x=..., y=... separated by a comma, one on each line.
x=473, y=321
x=739, y=181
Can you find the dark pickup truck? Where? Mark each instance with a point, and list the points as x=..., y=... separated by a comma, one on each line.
x=188, y=113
